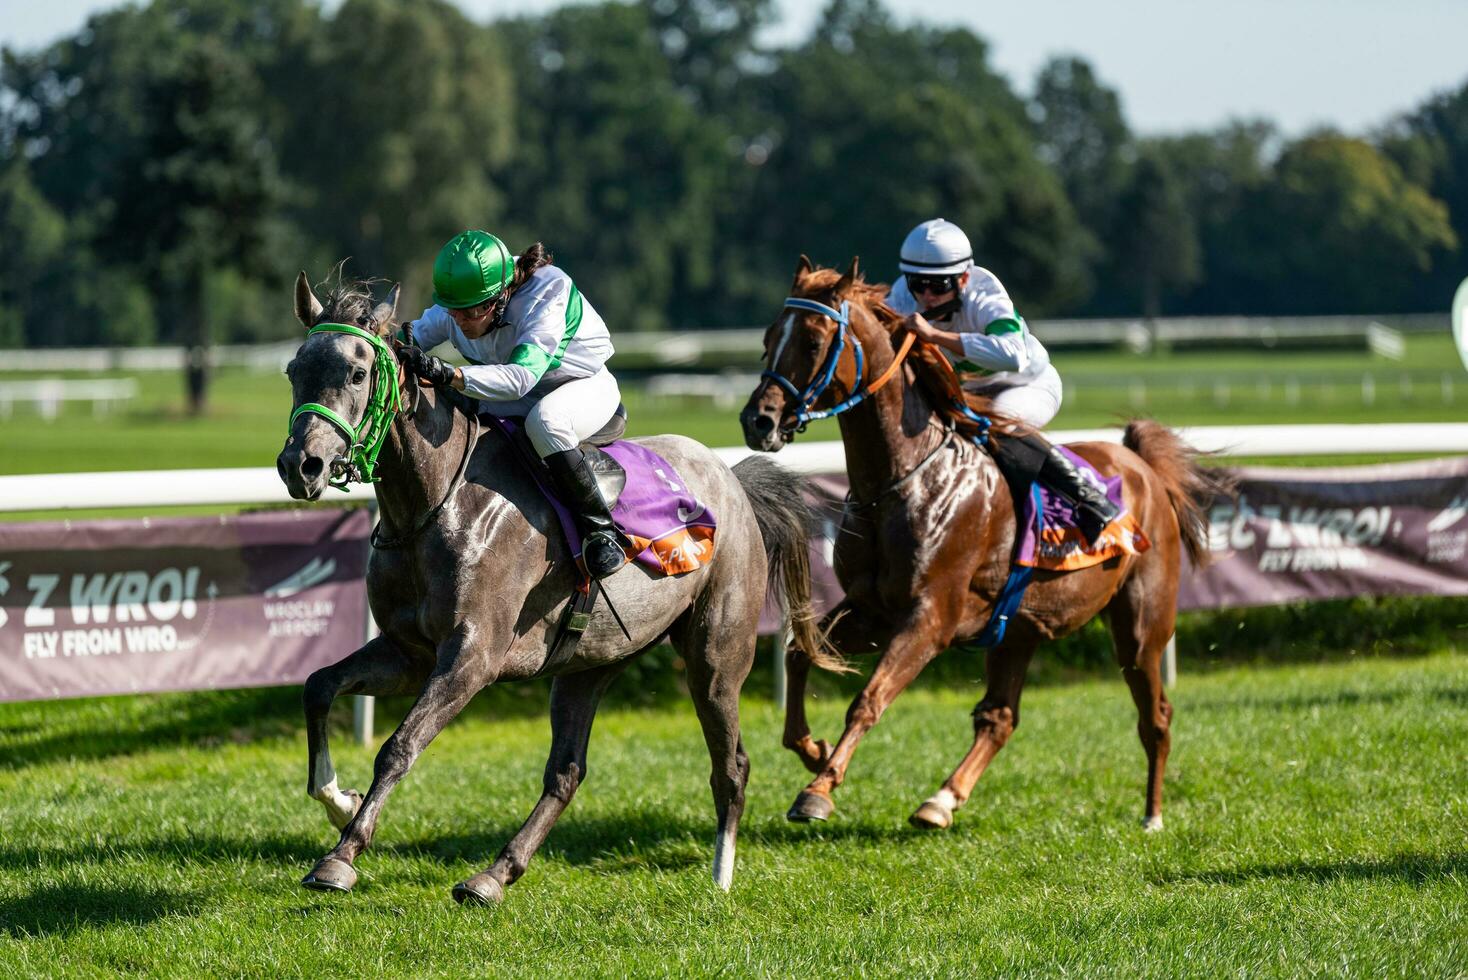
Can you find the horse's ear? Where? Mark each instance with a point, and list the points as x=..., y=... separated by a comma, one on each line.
x=308, y=307
x=802, y=268
x=850, y=277
x=387, y=311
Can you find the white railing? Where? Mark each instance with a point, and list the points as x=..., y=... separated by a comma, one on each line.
x=253, y=485
x=47, y=394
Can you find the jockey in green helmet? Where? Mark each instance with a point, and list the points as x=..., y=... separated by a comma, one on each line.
x=536, y=348
x=964, y=310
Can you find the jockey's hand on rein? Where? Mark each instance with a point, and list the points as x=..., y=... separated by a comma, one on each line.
x=426, y=366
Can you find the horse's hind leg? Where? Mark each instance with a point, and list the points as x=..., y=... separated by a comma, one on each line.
x=995, y=719
x=378, y=668
x=573, y=702
x=1142, y=620
x=460, y=674
x=719, y=654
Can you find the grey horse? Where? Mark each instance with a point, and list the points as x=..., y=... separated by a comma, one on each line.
x=470, y=574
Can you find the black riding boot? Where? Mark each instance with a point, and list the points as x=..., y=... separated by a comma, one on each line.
x=1094, y=510
x=601, y=546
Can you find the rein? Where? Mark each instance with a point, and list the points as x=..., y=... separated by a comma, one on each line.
x=364, y=440
x=472, y=438
x=808, y=396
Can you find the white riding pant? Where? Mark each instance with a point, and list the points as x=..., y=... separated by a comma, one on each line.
x=1033, y=403
x=563, y=418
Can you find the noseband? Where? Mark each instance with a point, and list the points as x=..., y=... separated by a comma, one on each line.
x=364, y=440
x=805, y=398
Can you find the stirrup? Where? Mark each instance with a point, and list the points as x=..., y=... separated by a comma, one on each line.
x=602, y=553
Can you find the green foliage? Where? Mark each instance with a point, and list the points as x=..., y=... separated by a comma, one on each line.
x=1344, y=229
x=616, y=169
x=165, y=169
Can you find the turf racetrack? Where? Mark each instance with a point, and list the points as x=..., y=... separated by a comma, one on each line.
x=1315, y=817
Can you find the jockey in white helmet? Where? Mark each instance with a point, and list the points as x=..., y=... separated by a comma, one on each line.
x=965, y=311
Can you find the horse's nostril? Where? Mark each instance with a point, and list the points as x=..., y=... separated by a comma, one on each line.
x=313, y=467
x=763, y=425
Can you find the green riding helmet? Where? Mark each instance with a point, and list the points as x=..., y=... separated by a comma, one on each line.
x=473, y=267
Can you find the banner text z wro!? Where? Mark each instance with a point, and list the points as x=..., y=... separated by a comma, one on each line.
x=178, y=604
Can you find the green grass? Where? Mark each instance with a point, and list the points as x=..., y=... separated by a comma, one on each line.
x=1315, y=826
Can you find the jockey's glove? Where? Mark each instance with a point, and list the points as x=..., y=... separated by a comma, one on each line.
x=427, y=367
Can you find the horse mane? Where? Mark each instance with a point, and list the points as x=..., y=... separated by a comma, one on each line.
x=349, y=300
x=936, y=378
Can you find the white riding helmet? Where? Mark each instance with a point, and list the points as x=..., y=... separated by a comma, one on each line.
x=937, y=247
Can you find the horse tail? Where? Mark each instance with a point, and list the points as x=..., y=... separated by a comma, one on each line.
x=1189, y=485
x=785, y=522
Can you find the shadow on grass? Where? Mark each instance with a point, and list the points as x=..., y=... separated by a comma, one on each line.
x=105, y=727
x=1414, y=869
x=176, y=850
x=645, y=840
x=63, y=909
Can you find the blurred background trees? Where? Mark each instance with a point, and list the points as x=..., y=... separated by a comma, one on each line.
x=165, y=171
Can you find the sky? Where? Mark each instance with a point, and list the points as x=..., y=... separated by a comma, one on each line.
x=1179, y=65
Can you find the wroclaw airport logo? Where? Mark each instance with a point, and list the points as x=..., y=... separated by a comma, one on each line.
x=1446, y=540
x=312, y=573
x=300, y=617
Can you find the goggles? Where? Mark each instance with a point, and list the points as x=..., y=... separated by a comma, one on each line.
x=919, y=283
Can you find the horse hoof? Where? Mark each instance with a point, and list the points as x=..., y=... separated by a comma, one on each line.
x=479, y=890
x=331, y=875
x=1152, y=824
x=810, y=805
x=932, y=816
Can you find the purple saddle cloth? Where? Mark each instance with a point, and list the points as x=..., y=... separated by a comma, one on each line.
x=671, y=530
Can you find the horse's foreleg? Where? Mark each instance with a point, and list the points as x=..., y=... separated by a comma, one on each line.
x=457, y=678
x=995, y=719
x=378, y=668
x=910, y=651
x=573, y=702
x=850, y=633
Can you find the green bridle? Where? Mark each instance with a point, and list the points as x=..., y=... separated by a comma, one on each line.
x=364, y=441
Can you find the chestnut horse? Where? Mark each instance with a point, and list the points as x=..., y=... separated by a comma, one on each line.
x=928, y=532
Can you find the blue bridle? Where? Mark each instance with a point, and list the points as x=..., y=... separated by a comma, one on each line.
x=807, y=397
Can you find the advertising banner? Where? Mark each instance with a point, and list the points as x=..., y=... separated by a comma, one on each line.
x=179, y=604
x=1291, y=534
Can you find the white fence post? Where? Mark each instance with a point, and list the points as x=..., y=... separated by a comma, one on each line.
x=779, y=654
x=1169, y=662
x=363, y=705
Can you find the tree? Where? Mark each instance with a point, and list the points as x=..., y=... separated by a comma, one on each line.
x=875, y=128
x=1431, y=147
x=1155, y=248
x=1082, y=134
x=411, y=112
x=146, y=131
x=616, y=169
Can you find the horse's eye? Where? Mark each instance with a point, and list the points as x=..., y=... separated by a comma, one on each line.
x=359, y=376
x=814, y=347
